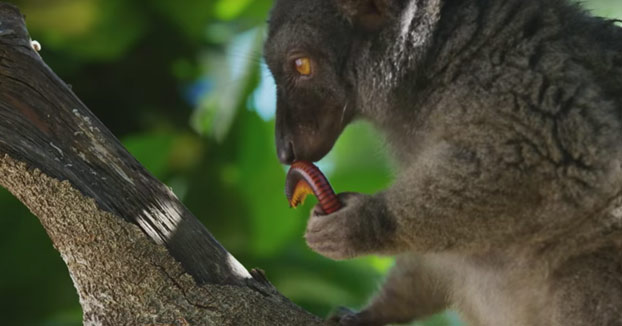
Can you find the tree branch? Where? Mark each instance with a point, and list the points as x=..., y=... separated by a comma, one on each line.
x=135, y=253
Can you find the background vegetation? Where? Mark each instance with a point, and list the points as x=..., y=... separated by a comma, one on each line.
x=182, y=84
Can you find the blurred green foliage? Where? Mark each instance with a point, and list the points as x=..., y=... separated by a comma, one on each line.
x=182, y=84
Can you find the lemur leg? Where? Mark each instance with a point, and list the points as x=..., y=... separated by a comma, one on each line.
x=588, y=290
x=416, y=287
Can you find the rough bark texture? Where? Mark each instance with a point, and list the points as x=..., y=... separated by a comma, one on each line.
x=124, y=278
x=136, y=255
x=43, y=124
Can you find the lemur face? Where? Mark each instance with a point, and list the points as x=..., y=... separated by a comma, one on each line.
x=306, y=50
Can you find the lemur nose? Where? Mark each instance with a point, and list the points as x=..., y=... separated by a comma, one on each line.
x=286, y=153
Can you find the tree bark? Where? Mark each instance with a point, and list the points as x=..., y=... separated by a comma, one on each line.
x=135, y=253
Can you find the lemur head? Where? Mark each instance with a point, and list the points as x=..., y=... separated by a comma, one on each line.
x=313, y=49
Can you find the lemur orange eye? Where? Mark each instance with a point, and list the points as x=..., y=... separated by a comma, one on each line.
x=303, y=66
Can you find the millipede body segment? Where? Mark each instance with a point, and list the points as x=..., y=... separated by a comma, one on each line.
x=303, y=179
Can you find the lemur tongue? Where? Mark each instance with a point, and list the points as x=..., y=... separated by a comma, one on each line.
x=303, y=179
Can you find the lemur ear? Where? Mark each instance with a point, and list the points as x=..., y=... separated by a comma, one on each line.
x=369, y=15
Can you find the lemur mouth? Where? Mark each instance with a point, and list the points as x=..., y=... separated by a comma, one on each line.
x=310, y=136
x=304, y=179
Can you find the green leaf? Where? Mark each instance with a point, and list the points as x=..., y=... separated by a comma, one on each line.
x=605, y=8
x=229, y=9
x=237, y=76
x=98, y=29
x=189, y=16
x=448, y=318
x=261, y=182
x=153, y=150
x=359, y=161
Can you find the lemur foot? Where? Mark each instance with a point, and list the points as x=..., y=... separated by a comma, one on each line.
x=346, y=317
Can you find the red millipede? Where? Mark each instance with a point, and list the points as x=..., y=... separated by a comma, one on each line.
x=304, y=178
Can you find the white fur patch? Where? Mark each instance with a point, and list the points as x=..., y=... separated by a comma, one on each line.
x=407, y=17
